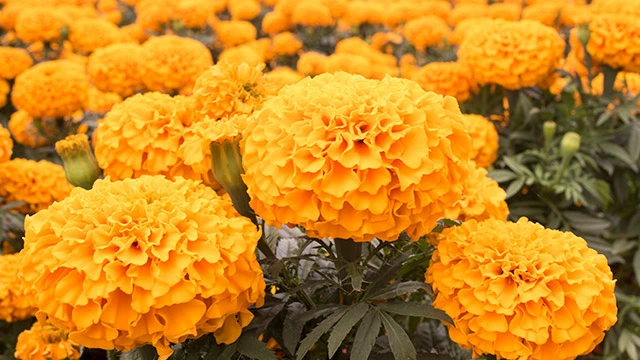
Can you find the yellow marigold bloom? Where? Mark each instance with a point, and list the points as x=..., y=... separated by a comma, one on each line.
x=13, y=62
x=280, y=77
x=101, y=102
x=41, y=24
x=312, y=63
x=193, y=14
x=6, y=144
x=25, y=131
x=286, y=44
x=37, y=183
x=9, y=14
x=425, y=31
x=350, y=63
x=312, y=13
x=116, y=68
x=141, y=135
x=235, y=32
x=14, y=303
x=160, y=261
x=482, y=197
x=45, y=342
x=467, y=27
x=446, y=78
x=512, y=54
x=505, y=11
x=344, y=156
x=51, y=89
x=546, y=13
x=244, y=9
x=172, y=63
x=275, y=22
x=484, y=139
x=228, y=88
x=242, y=54
x=88, y=35
x=520, y=291
x=615, y=41
x=467, y=11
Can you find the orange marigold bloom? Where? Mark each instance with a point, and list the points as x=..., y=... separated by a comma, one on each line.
x=116, y=68
x=51, y=89
x=13, y=62
x=39, y=183
x=505, y=11
x=346, y=157
x=312, y=63
x=4, y=92
x=228, y=88
x=546, y=13
x=27, y=133
x=482, y=197
x=445, y=78
x=467, y=27
x=244, y=9
x=14, y=303
x=574, y=15
x=88, y=35
x=153, y=14
x=286, y=44
x=45, y=342
x=512, y=54
x=242, y=54
x=275, y=22
x=629, y=7
x=615, y=41
x=41, y=24
x=280, y=77
x=425, y=31
x=350, y=63
x=193, y=14
x=484, y=139
x=467, y=11
x=235, y=32
x=626, y=82
x=520, y=291
x=101, y=102
x=160, y=261
x=172, y=63
x=312, y=13
x=6, y=144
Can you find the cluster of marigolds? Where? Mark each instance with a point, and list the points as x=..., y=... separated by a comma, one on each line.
x=347, y=127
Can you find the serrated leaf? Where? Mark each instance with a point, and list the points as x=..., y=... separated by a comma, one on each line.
x=502, y=175
x=517, y=167
x=636, y=265
x=400, y=343
x=255, y=349
x=514, y=187
x=355, y=274
x=619, y=153
x=397, y=289
x=366, y=336
x=345, y=325
x=633, y=145
x=417, y=310
x=586, y=223
x=386, y=274
x=315, y=334
x=295, y=320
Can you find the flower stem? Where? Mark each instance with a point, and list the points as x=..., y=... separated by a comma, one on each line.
x=111, y=354
x=610, y=75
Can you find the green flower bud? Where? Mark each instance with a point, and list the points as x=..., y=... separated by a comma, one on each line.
x=584, y=34
x=549, y=129
x=80, y=165
x=570, y=144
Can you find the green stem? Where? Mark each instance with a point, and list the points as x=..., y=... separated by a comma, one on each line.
x=111, y=354
x=512, y=99
x=348, y=250
x=563, y=168
x=609, y=81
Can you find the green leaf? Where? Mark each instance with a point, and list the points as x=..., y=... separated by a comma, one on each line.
x=295, y=320
x=315, y=334
x=416, y=309
x=517, y=167
x=620, y=153
x=356, y=276
x=399, y=288
x=366, y=336
x=401, y=346
x=146, y=352
x=515, y=187
x=636, y=265
x=253, y=348
x=344, y=326
x=502, y=175
x=633, y=145
x=586, y=223
x=386, y=273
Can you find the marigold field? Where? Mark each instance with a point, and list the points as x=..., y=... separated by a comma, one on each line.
x=319, y=179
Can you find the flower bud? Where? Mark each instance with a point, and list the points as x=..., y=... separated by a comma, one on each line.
x=584, y=34
x=80, y=165
x=549, y=129
x=570, y=144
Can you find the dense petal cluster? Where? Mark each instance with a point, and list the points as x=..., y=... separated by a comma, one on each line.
x=15, y=304
x=483, y=197
x=484, y=139
x=348, y=157
x=446, y=78
x=100, y=102
x=26, y=132
x=520, y=291
x=614, y=40
x=172, y=64
x=13, y=62
x=512, y=54
x=426, y=31
x=42, y=23
x=45, y=342
x=38, y=183
x=88, y=35
x=157, y=261
x=51, y=89
x=6, y=144
x=116, y=68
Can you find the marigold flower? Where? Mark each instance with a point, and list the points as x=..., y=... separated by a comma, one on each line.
x=520, y=291
x=626, y=82
x=39, y=183
x=467, y=27
x=505, y=11
x=161, y=261
x=45, y=342
x=312, y=13
x=425, y=31
x=275, y=22
x=41, y=24
x=26, y=132
x=286, y=44
x=482, y=197
x=172, y=63
x=512, y=54
x=4, y=92
x=101, y=102
x=615, y=41
x=445, y=78
x=244, y=9
x=13, y=62
x=193, y=14
x=51, y=89
x=312, y=63
x=467, y=11
x=153, y=14
x=6, y=144
x=350, y=63
x=575, y=14
x=628, y=7
x=14, y=303
x=88, y=35
x=280, y=77
x=345, y=157
x=242, y=54
x=116, y=68
x=546, y=13
x=484, y=139
x=228, y=88
x=235, y=32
